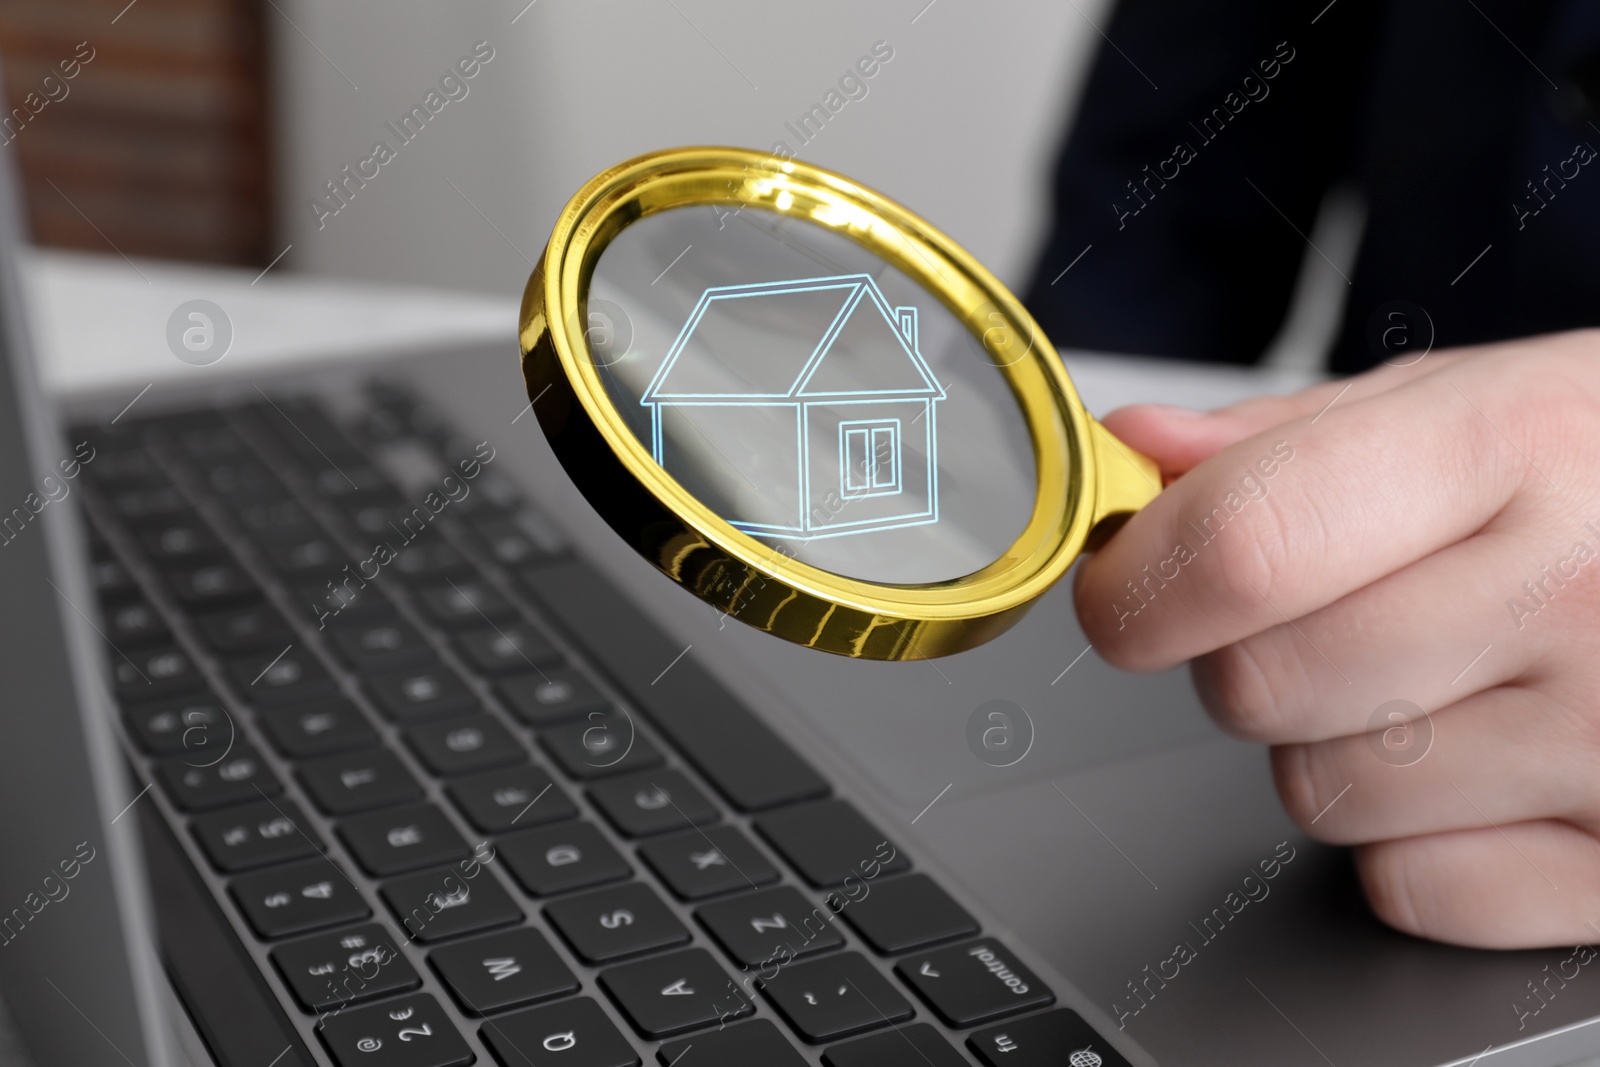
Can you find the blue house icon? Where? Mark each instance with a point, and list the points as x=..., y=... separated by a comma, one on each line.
x=814, y=393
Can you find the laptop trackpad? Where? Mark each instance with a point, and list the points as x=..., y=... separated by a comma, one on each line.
x=1035, y=703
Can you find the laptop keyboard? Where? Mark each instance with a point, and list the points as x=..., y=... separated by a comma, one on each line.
x=421, y=803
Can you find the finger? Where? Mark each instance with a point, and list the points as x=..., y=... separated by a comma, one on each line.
x=1504, y=756
x=1513, y=886
x=1286, y=522
x=1179, y=438
x=1323, y=676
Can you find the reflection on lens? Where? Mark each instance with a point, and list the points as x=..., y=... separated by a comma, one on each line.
x=813, y=395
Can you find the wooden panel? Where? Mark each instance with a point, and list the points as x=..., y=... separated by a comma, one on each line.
x=158, y=142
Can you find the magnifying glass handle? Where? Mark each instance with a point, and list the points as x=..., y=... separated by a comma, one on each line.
x=1125, y=482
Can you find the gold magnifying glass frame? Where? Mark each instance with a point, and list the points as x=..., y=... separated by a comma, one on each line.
x=1085, y=476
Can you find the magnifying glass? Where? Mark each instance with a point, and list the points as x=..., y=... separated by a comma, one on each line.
x=810, y=408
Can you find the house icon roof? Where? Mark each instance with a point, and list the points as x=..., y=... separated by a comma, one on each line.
x=796, y=340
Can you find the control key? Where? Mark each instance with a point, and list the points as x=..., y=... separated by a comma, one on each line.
x=974, y=982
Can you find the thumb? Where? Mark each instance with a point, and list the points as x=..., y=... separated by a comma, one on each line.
x=1179, y=439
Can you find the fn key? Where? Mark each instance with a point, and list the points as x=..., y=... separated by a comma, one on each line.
x=1048, y=1040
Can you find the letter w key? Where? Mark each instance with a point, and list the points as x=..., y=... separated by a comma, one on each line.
x=502, y=967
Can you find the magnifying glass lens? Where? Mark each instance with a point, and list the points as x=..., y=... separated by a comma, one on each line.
x=811, y=393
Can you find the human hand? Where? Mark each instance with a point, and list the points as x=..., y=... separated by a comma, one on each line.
x=1427, y=534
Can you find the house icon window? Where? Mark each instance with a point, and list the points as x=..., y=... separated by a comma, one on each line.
x=869, y=458
x=813, y=392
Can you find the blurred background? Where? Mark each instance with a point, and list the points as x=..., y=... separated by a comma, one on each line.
x=205, y=129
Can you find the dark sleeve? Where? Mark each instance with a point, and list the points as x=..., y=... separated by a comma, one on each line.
x=1206, y=136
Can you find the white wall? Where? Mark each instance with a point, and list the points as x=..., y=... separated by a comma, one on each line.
x=961, y=124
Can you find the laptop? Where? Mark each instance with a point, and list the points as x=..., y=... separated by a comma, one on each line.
x=339, y=731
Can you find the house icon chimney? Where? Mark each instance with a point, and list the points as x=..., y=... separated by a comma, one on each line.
x=908, y=325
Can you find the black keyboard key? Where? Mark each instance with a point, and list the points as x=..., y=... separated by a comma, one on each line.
x=344, y=966
x=303, y=554
x=127, y=465
x=402, y=839
x=655, y=802
x=243, y=478
x=358, y=781
x=430, y=560
x=212, y=585
x=756, y=1042
x=896, y=915
x=204, y=434
x=207, y=435
x=705, y=863
x=343, y=597
x=676, y=992
x=412, y=1032
x=383, y=645
x=973, y=983
x=182, y=538
x=364, y=608
x=170, y=728
x=274, y=519
x=290, y=676
x=303, y=896
x=599, y=746
x=464, y=744
x=504, y=970
x=154, y=674
x=154, y=503
x=380, y=516
x=559, y=859
x=917, y=1045
x=1053, y=1039
x=763, y=926
x=431, y=692
x=247, y=629
x=200, y=781
x=610, y=924
x=509, y=649
x=573, y=1033
x=552, y=696
x=469, y=603
x=307, y=431
x=255, y=835
x=433, y=905
x=134, y=624
x=834, y=997
x=112, y=581
x=509, y=544
x=510, y=799
x=318, y=728
x=829, y=841
x=352, y=479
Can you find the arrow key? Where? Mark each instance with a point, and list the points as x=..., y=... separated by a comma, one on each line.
x=680, y=991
